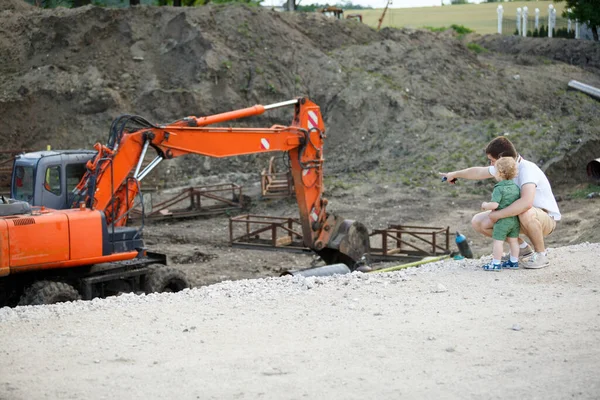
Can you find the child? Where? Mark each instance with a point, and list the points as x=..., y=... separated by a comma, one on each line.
x=504, y=194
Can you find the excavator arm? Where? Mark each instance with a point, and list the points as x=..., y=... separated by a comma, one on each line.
x=111, y=183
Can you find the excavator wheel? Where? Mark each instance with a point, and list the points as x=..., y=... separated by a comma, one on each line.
x=48, y=292
x=162, y=279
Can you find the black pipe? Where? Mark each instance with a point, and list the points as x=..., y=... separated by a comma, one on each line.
x=326, y=270
x=593, y=168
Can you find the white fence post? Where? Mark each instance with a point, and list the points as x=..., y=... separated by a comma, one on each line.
x=525, y=10
x=500, y=11
x=519, y=21
x=576, y=29
x=569, y=21
x=550, y=8
x=537, y=18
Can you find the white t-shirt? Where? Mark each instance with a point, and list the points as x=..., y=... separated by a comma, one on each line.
x=530, y=173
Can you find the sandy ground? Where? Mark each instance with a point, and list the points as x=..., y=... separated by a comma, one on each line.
x=445, y=330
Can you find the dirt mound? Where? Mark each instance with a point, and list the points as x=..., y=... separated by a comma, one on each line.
x=534, y=51
x=398, y=104
x=15, y=5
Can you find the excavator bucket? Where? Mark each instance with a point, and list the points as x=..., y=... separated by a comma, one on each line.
x=348, y=244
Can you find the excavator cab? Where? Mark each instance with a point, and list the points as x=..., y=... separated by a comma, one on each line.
x=46, y=178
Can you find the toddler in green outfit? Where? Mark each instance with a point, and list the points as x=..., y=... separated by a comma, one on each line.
x=506, y=229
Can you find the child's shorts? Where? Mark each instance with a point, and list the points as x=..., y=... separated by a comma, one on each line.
x=506, y=227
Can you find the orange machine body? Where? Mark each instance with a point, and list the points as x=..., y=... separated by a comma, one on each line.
x=54, y=239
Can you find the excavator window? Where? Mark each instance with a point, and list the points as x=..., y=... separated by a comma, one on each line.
x=23, y=186
x=74, y=174
x=52, y=181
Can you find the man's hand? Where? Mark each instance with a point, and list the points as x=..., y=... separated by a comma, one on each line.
x=449, y=177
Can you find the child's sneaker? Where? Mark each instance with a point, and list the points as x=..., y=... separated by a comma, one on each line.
x=492, y=267
x=510, y=265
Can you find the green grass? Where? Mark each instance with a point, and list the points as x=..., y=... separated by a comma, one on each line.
x=582, y=193
x=476, y=48
x=482, y=18
x=460, y=29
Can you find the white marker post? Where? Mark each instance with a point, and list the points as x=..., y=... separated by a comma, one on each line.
x=500, y=11
x=525, y=10
x=519, y=21
x=537, y=18
x=569, y=20
x=576, y=29
x=550, y=8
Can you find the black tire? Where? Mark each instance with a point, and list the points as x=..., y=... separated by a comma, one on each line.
x=162, y=279
x=48, y=292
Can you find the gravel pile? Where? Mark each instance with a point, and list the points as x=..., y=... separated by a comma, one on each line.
x=264, y=288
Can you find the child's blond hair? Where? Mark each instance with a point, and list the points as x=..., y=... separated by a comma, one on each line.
x=507, y=167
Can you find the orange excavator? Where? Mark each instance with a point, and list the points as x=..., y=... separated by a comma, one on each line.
x=49, y=255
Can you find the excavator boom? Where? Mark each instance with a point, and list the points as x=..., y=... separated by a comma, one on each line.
x=108, y=185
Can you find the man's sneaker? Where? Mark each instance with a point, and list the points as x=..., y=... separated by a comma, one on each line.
x=492, y=267
x=510, y=265
x=536, y=261
x=523, y=254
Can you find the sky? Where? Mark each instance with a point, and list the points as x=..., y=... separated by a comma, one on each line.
x=365, y=3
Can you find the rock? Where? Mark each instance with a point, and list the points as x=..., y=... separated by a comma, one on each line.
x=440, y=288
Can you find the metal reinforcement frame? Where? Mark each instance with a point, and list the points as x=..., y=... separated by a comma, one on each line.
x=266, y=233
x=410, y=242
x=201, y=200
x=395, y=243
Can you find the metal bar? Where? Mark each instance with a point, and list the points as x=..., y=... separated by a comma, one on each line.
x=139, y=164
x=245, y=218
x=150, y=167
x=281, y=104
x=120, y=275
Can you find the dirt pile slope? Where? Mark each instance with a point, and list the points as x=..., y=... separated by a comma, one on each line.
x=15, y=5
x=527, y=51
x=398, y=101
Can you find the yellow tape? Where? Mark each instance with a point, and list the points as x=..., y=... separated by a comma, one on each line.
x=412, y=264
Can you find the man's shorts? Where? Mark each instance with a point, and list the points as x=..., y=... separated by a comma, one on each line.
x=547, y=222
x=506, y=227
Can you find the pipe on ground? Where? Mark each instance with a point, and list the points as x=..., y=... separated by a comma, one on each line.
x=326, y=270
x=587, y=89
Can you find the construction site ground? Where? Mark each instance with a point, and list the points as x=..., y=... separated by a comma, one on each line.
x=399, y=107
